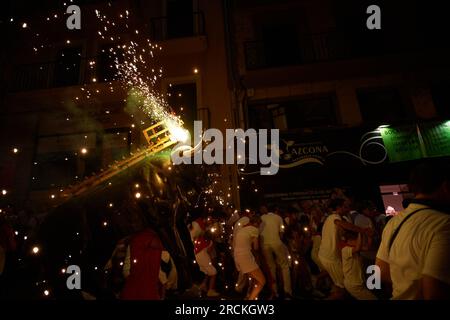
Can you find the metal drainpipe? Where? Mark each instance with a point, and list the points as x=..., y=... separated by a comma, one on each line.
x=234, y=84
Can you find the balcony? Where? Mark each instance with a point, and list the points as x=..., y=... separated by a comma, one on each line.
x=56, y=74
x=320, y=47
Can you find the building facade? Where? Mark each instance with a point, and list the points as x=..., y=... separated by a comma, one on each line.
x=315, y=71
x=64, y=116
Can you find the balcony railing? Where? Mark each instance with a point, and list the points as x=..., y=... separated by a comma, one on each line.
x=54, y=74
x=178, y=26
x=329, y=46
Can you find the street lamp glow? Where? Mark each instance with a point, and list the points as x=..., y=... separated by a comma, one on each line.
x=35, y=250
x=84, y=151
x=137, y=195
x=4, y=192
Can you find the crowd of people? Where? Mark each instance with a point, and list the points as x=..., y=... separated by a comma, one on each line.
x=294, y=252
x=323, y=249
x=311, y=249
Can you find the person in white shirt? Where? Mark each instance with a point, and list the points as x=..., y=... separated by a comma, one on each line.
x=352, y=267
x=414, y=252
x=274, y=251
x=242, y=279
x=329, y=252
x=245, y=242
x=363, y=219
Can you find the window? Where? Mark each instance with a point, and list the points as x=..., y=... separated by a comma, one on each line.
x=67, y=67
x=314, y=111
x=180, y=22
x=116, y=144
x=381, y=105
x=106, y=69
x=183, y=99
x=281, y=45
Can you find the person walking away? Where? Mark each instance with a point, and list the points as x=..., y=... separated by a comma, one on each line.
x=202, y=247
x=274, y=251
x=329, y=252
x=247, y=240
x=142, y=282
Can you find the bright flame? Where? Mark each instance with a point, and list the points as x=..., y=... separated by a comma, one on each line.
x=177, y=133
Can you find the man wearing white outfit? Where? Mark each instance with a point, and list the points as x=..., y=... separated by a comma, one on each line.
x=329, y=252
x=352, y=267
x=274, y=251
x=414, y=252
x=242, y=279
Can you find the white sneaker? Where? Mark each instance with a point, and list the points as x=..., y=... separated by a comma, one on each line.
x=212, y=293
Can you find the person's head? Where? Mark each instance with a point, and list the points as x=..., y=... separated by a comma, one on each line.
x=263, y=209
x=248, y=213
x=366, y=208
x=432, y=182
x=273, y=208
x=339, y=206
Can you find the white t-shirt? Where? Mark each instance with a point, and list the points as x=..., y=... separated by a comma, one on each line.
x=238, y=226
x=244, y=238
x=330, y=238
x=422, y=247
x=363, y=222
x=271, y=226
x=352, y=267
